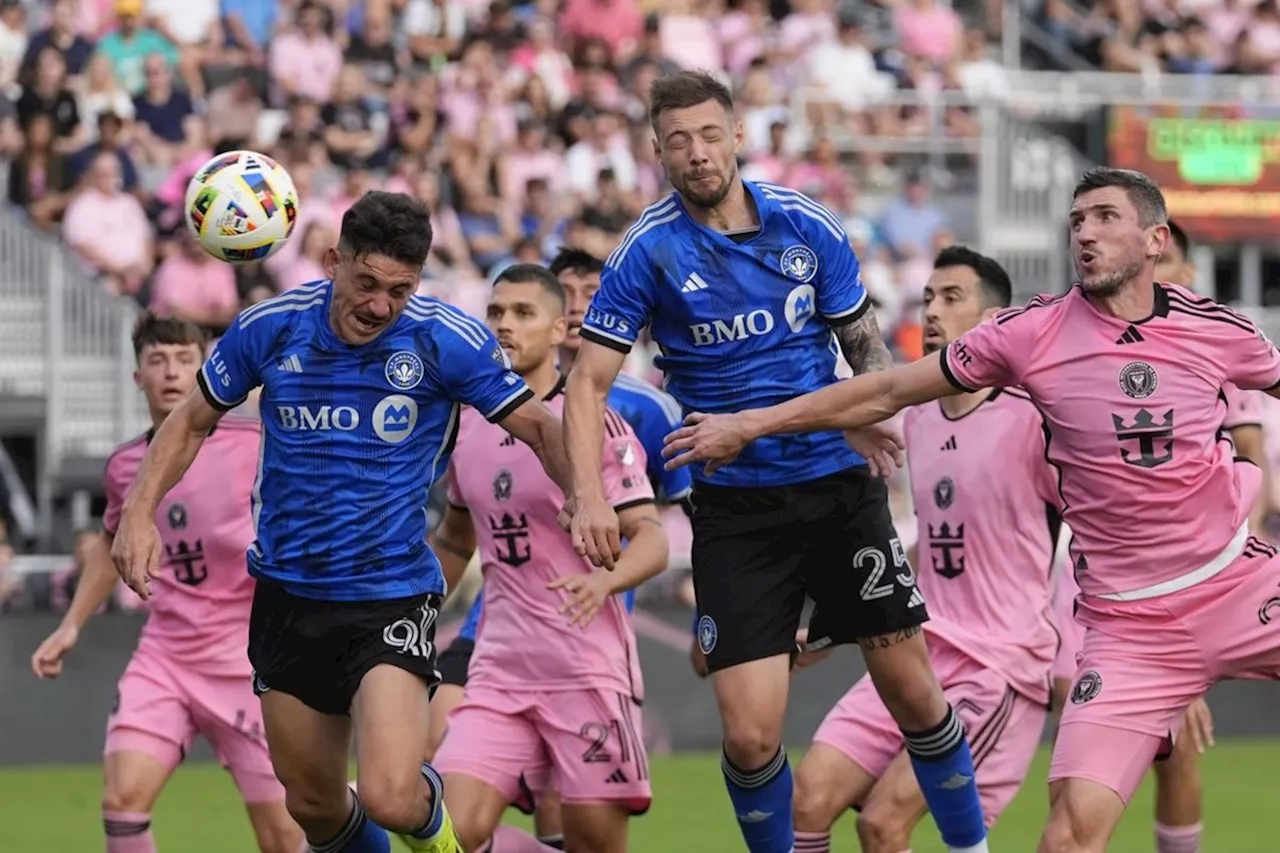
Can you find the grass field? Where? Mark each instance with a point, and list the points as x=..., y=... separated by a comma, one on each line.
x=55, y=810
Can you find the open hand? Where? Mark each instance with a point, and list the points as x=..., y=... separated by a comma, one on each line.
x=881, y=446
x=584, y=594
x=714, y=439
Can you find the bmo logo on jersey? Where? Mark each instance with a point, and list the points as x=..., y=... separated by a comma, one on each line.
x=741, y=327
x=318, y=418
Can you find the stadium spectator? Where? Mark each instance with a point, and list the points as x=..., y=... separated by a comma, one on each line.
x=191, y=285
x=306, y=60
x=13, y=42
x=99, y=93
x=110, y=138
x=38, y=175
x=165, y=116
x=130, y=44
x=62, y=36
x=108, y=228
x=50, y=95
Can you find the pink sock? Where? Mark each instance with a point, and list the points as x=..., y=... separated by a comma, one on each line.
x=813, y=842
x=1178, y=839
x=508, y=839
x=128, y=832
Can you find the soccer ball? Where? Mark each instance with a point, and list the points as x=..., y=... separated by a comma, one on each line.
x=241, y=206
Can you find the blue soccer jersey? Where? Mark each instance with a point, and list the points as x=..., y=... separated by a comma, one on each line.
x=354, y=437
x=652, y=415
x=740, y=325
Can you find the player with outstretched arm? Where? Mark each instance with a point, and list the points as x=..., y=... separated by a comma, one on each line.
x=1129, y=372
x=752, y=291
x=363, y=388
x=189, y=674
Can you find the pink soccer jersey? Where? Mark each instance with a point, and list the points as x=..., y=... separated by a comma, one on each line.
x=985, y=503
x=523, y=641
x=1244, y=408
x=200, y=603
x=1134, y=412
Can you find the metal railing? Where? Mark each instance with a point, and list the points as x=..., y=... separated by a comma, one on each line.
x=66, y=342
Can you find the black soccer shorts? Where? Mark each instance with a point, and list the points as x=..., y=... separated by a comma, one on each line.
x=455, y=661
x=758, y=552
x=319, y=651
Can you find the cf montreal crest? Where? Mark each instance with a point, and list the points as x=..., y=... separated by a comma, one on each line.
x=707, y=634
x=502, y=485
x=944, y=493
x=800, y=263
x=1138, y=380
x=404, y=370
x=1089, y=686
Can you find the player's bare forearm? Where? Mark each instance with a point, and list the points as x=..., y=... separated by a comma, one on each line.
x=95, y=583
x=647, y=552
x=855, y=402
x=863, y=345
x=535, y=425
x=594, y=371
x=1249, y=444
x=453, y=543
x=171, y=452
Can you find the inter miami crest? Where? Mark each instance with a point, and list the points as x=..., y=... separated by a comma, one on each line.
x=1087, y=687
x=177, y=516
x=1138, y=380
x=944, y=493
x=502, y=485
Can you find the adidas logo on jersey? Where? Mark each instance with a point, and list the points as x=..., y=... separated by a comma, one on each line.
x=949, y=444
x=617, y=777
x=916, y=599
x=1131, y=336
x=509, y=441
x=693, y=283
x=290, y=364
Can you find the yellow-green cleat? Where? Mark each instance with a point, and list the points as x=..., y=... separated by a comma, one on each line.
x=444, y=841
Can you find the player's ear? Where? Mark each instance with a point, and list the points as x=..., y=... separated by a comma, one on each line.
x=331, y=260
x=1158, y=241
x=559, y=330
x=137, y=379
x=657, y=149
x=739, y=137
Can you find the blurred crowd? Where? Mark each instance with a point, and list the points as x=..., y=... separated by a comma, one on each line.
x=523, y=126
x=1174, y=36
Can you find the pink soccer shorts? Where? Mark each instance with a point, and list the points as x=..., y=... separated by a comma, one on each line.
x=1145, y=661
x=1003, y=726
x=161, y=705
x=590, y=739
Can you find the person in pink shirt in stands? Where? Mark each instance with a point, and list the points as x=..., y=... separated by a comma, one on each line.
x=108, y=229
x=193, y=286
x=1175, y=595
x=928, y=30
x=189, y=674
x=619, y=23
x=554, y=684
x=307, y=61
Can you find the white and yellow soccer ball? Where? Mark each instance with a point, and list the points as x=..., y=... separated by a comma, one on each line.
x=241, y=207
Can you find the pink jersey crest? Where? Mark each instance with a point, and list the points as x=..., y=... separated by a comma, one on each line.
x=523, y=641
x=985, y=503
x=200, y=603
x=1135, y=414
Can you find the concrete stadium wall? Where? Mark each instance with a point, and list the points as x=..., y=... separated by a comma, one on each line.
x=62, y=721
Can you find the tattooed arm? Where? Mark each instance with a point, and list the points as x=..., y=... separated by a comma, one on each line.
x=863, y=345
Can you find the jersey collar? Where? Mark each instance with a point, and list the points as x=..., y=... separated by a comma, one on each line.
x=151, y=433
x=556, y=390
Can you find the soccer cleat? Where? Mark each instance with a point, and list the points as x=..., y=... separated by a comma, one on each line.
x=444, y=841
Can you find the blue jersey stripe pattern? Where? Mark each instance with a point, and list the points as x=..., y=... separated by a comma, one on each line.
x=354, y=437
x=740, y=325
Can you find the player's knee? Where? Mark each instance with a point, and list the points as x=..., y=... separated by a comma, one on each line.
x=127, y=793
x=1068, y=832
x=751, y=743
x=317, y=811
x=471, y=826
x=882, y=829
x=815, y=803
x=396, y=805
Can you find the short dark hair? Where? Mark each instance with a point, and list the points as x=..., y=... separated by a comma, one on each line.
x=391, y=224
x=532, y=274
x=575, y=260
x=686, y=89
x=151, y=329
x=1179, y=237
x=997, y=290
x=1143, y=192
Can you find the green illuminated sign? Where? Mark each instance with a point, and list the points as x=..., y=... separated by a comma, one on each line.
x=1215, y=151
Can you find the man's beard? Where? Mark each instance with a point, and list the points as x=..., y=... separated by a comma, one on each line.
x=706, y=199
x=1111, y=283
